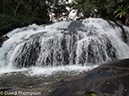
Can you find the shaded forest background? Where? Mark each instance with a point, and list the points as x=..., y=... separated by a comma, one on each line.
x=20, y=13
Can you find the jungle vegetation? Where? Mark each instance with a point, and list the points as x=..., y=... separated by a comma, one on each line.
x=20, y=13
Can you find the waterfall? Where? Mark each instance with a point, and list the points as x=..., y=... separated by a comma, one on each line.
x=87, y=42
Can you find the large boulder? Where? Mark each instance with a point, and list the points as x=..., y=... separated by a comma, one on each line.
x=111, y=79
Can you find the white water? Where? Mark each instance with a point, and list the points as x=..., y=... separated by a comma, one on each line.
x=64, y=46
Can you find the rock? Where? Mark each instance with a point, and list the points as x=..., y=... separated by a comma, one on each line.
x=4, y=89
x=110, y=79
x=2, y=39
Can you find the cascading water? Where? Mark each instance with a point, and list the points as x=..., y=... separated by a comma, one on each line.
x=66, y=45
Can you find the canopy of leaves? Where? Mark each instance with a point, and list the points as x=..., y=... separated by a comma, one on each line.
x=123, y=7
x=98, y=8
x=26, y=12
x=7, y=23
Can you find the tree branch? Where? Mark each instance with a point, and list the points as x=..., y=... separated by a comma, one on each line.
x=18, y=4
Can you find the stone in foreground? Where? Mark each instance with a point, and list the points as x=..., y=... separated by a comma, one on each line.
x=110, y=79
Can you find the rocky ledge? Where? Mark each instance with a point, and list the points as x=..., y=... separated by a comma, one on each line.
x=110, y=79
x=2, y=39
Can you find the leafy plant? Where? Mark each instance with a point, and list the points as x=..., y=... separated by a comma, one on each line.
x=97, y=8
x=122, y=8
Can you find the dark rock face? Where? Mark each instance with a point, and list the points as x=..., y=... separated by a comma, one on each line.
x=2, y=39
x=110, y=79
x=29, y=54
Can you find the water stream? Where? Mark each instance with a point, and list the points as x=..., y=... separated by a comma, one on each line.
x=67, y=47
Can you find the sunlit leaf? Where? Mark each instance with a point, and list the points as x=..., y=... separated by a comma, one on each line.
x=120, y=1
x=118, y=15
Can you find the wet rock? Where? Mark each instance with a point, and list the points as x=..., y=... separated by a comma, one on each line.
x=110, y=79
x=2, y=39
x=5, y=88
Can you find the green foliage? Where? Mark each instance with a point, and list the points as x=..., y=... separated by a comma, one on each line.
x=33, y=11
x=59, y=9
x=122, y=8
x=122, y=11
x=7, y=22
x=97, y=8
x=21, y=13
x=120, y=1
